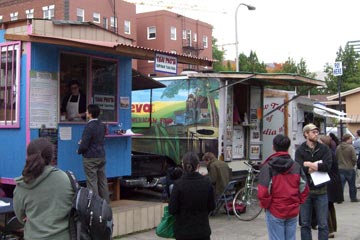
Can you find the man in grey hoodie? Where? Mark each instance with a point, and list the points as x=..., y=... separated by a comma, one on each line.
x=346, y=156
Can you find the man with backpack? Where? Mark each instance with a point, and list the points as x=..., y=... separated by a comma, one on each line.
x=282, y=188
x=91, y=146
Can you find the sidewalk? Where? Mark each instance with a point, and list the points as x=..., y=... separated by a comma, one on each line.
x=348, y=217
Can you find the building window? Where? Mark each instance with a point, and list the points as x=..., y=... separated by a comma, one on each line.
x=97, y=78
x=1, y=19
x=48, y=12
x=205, y=41
x=29, y=13
x=173, y=33
x=151, y=32
x=114, y=23
x=188, y=38
x=195, y=37
x=9, y=84
x=127, y=27
x=80, y=15
x=184, y=34
x=105, y=23
x=96, y=17
x=13, y=16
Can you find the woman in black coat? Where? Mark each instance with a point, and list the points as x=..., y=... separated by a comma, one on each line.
x=334, y=188
x=191, y=201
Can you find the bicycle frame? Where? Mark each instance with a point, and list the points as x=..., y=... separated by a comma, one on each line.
x=249, y=183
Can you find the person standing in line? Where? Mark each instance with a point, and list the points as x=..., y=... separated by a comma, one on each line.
x=191, y=201
x=218, y=172
x=314, y=157
x=356, y=143
x=282, y=188
x=346, y=156
x=43, y=195
x=91, y=146
x=334, y=188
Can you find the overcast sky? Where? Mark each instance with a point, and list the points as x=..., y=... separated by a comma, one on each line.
x=277, y=29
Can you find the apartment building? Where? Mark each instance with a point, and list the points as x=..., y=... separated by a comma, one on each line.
x=116, y=16
x=175, y=33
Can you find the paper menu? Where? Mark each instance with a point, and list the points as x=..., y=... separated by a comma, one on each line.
x=319, y=177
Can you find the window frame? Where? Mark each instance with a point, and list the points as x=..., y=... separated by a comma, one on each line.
x=173, y=33
x=29, y=13
x=88, y=89
x=14, y=16
x=96, y=15
x=80, y=14
x=151, y=30
x=48, y=12
x=127, y=27
x=205, y=41
x=6, y=47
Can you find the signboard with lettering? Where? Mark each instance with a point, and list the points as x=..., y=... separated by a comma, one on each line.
x=165, y=63
x=337, y=71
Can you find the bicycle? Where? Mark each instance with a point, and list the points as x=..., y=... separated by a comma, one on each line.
x=245, y=203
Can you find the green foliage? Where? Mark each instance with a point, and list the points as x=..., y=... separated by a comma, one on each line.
x=351, y=71
x=251, y=63
x=290, y=66
x=218, y=55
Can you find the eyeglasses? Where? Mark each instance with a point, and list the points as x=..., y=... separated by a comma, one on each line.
x=315, y=131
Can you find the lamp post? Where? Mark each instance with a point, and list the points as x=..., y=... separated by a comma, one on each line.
x=249, y=7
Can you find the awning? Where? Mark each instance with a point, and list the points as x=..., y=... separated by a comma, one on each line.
x=262, y=79
x=140, y=81
x=321, y=110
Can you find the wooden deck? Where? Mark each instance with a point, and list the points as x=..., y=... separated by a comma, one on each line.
x=133, y=216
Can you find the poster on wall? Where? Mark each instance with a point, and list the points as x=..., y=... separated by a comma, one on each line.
x=43, y=99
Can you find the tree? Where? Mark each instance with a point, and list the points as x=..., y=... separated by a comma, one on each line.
x=251, y=63
x=290, y=66
x=351, y=71
x=218, y=55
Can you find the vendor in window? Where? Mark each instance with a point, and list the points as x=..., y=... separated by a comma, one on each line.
x=73, y=106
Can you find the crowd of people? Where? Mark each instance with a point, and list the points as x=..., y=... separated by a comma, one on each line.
x=301, y=191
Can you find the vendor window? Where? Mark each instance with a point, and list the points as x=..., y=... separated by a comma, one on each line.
x=84, y=80
x=9, y=82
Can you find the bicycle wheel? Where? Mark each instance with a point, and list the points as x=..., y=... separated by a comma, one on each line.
x=246, y=208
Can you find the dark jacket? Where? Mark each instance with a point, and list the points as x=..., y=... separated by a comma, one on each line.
x=334, y=187
x=282, y=186
x=191, y=201
x=92, y=140
x=320, y=152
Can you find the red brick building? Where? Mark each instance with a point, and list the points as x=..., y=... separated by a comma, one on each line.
x=174, y=33
x=98, y=12
x=161, y=30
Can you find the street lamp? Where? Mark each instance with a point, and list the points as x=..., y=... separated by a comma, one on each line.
x=236, y=34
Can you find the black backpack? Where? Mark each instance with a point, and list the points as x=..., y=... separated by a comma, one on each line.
x=90, y=216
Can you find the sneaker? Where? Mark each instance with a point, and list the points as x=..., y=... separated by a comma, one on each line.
x=354, y=200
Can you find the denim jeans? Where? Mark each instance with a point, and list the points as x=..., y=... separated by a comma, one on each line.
x=280, y=229
x=348, y=175
x=320, y=204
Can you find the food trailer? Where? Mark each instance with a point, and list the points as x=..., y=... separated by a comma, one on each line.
x=38, y=59
x=218, y=112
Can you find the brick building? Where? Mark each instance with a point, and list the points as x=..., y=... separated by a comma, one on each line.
x=174, y=33
x=161, y=30
x=75, y=10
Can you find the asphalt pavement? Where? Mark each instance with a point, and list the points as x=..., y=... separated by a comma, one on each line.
x=348, y=218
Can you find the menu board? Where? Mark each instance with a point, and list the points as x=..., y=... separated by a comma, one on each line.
x=43, y=99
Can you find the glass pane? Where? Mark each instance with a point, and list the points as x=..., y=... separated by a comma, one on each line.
x=104, y=84
x=73, y=82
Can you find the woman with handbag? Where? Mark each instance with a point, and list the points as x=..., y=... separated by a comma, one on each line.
x=191, y=201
